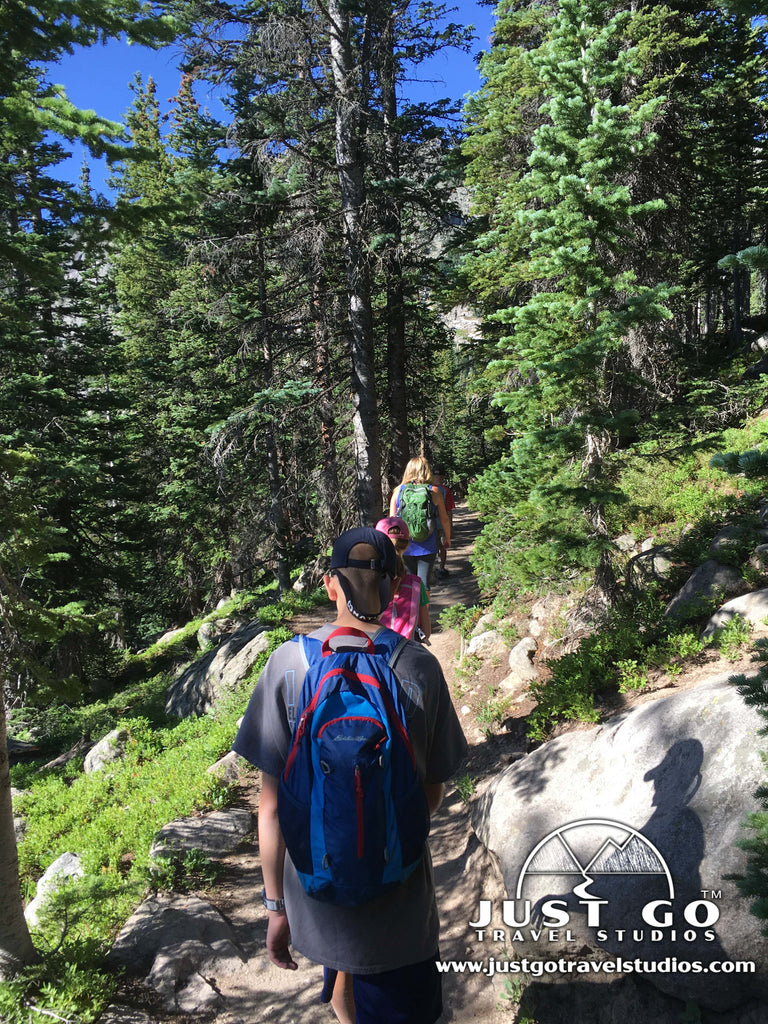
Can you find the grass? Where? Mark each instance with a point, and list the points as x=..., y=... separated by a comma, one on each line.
x=492, y=713
x=110, y=818
x=465, y=786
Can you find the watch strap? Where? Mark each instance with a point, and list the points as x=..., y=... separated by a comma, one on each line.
x=278, y=904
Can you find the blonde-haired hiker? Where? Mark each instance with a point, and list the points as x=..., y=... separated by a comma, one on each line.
x=418, y=501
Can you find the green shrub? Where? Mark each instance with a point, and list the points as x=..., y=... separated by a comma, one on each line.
x=732, y=637
x=60, y=987
x=566, y=696
x=754, y=882
x=465, y=786
x=685, y=644
x=110, y=818
x=460, y=618
x=192, y=870
x=632, y=675
x=615, y=657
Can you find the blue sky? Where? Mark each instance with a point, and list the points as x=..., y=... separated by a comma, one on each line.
x=97, y=78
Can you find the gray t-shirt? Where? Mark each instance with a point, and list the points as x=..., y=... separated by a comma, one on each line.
x=402, y=926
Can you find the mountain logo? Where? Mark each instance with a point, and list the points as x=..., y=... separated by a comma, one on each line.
x=591, y=847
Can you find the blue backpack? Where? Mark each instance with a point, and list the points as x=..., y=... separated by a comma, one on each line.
x=351, y=804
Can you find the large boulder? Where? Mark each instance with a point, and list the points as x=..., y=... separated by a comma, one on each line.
x=119, y=1013
x=19, y=823
x=709, y=582
x=759, y=557
x=181, y=943
x=200, y=685
x=226, y=769
x=652, y=566
x=213, y=834
x=648, y=807
x=214, y=631
x=756, y=369
x=626, y=542
x=731, y=541
x=111, y=747
x=752, y=607
x=57, y=875
x=488, y=645
x=484, y=623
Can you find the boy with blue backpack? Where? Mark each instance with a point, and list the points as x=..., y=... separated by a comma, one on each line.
x=355, y=734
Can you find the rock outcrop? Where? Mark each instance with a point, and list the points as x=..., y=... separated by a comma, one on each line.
x=718, y=577
x=213, y=834
x=181, y=944
x=709, y=581
x=201, y=684
x=646, y=808
x=61, y=871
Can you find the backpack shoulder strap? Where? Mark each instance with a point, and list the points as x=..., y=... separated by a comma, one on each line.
x=393, y=658
x=392, y=644
x=309, y=648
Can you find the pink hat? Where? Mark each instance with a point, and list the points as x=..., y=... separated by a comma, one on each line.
x=394, y=527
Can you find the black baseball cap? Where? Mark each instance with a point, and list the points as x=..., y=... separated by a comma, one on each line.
x=364, y=561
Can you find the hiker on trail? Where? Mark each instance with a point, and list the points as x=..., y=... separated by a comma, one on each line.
x=419, y=502
x=408, y=611
x=438, y=475
x=379, y=956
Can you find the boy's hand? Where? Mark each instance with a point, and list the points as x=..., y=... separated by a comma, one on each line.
x=278, y=941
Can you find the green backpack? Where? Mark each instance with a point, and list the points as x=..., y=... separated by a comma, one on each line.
x=414, y=505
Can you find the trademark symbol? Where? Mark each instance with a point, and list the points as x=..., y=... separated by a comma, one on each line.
x=713, y=894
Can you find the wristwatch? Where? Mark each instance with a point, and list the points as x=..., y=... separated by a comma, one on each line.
x=278, y=904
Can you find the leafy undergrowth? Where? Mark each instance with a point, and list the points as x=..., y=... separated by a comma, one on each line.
x=621, y=658
x=679, y=495
x=110, y=818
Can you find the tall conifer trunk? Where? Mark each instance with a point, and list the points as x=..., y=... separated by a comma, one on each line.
x=349, y=165
x=16, y=947
x=398, y=453
x=330, y=499
x=276, y=512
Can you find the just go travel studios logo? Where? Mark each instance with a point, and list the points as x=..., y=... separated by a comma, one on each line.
x=605, y=876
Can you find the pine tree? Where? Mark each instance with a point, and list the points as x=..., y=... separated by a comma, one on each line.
x=375, y=192
x=40, y=466
x=754, y=882
x=578, y=297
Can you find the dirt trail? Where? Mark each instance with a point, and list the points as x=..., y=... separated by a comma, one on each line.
x=259, y=992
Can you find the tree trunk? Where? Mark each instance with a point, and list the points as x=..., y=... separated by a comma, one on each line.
x=276, y=512
x=398, y=451
x=330, y=521
x=16, y=947
x=349, y=165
